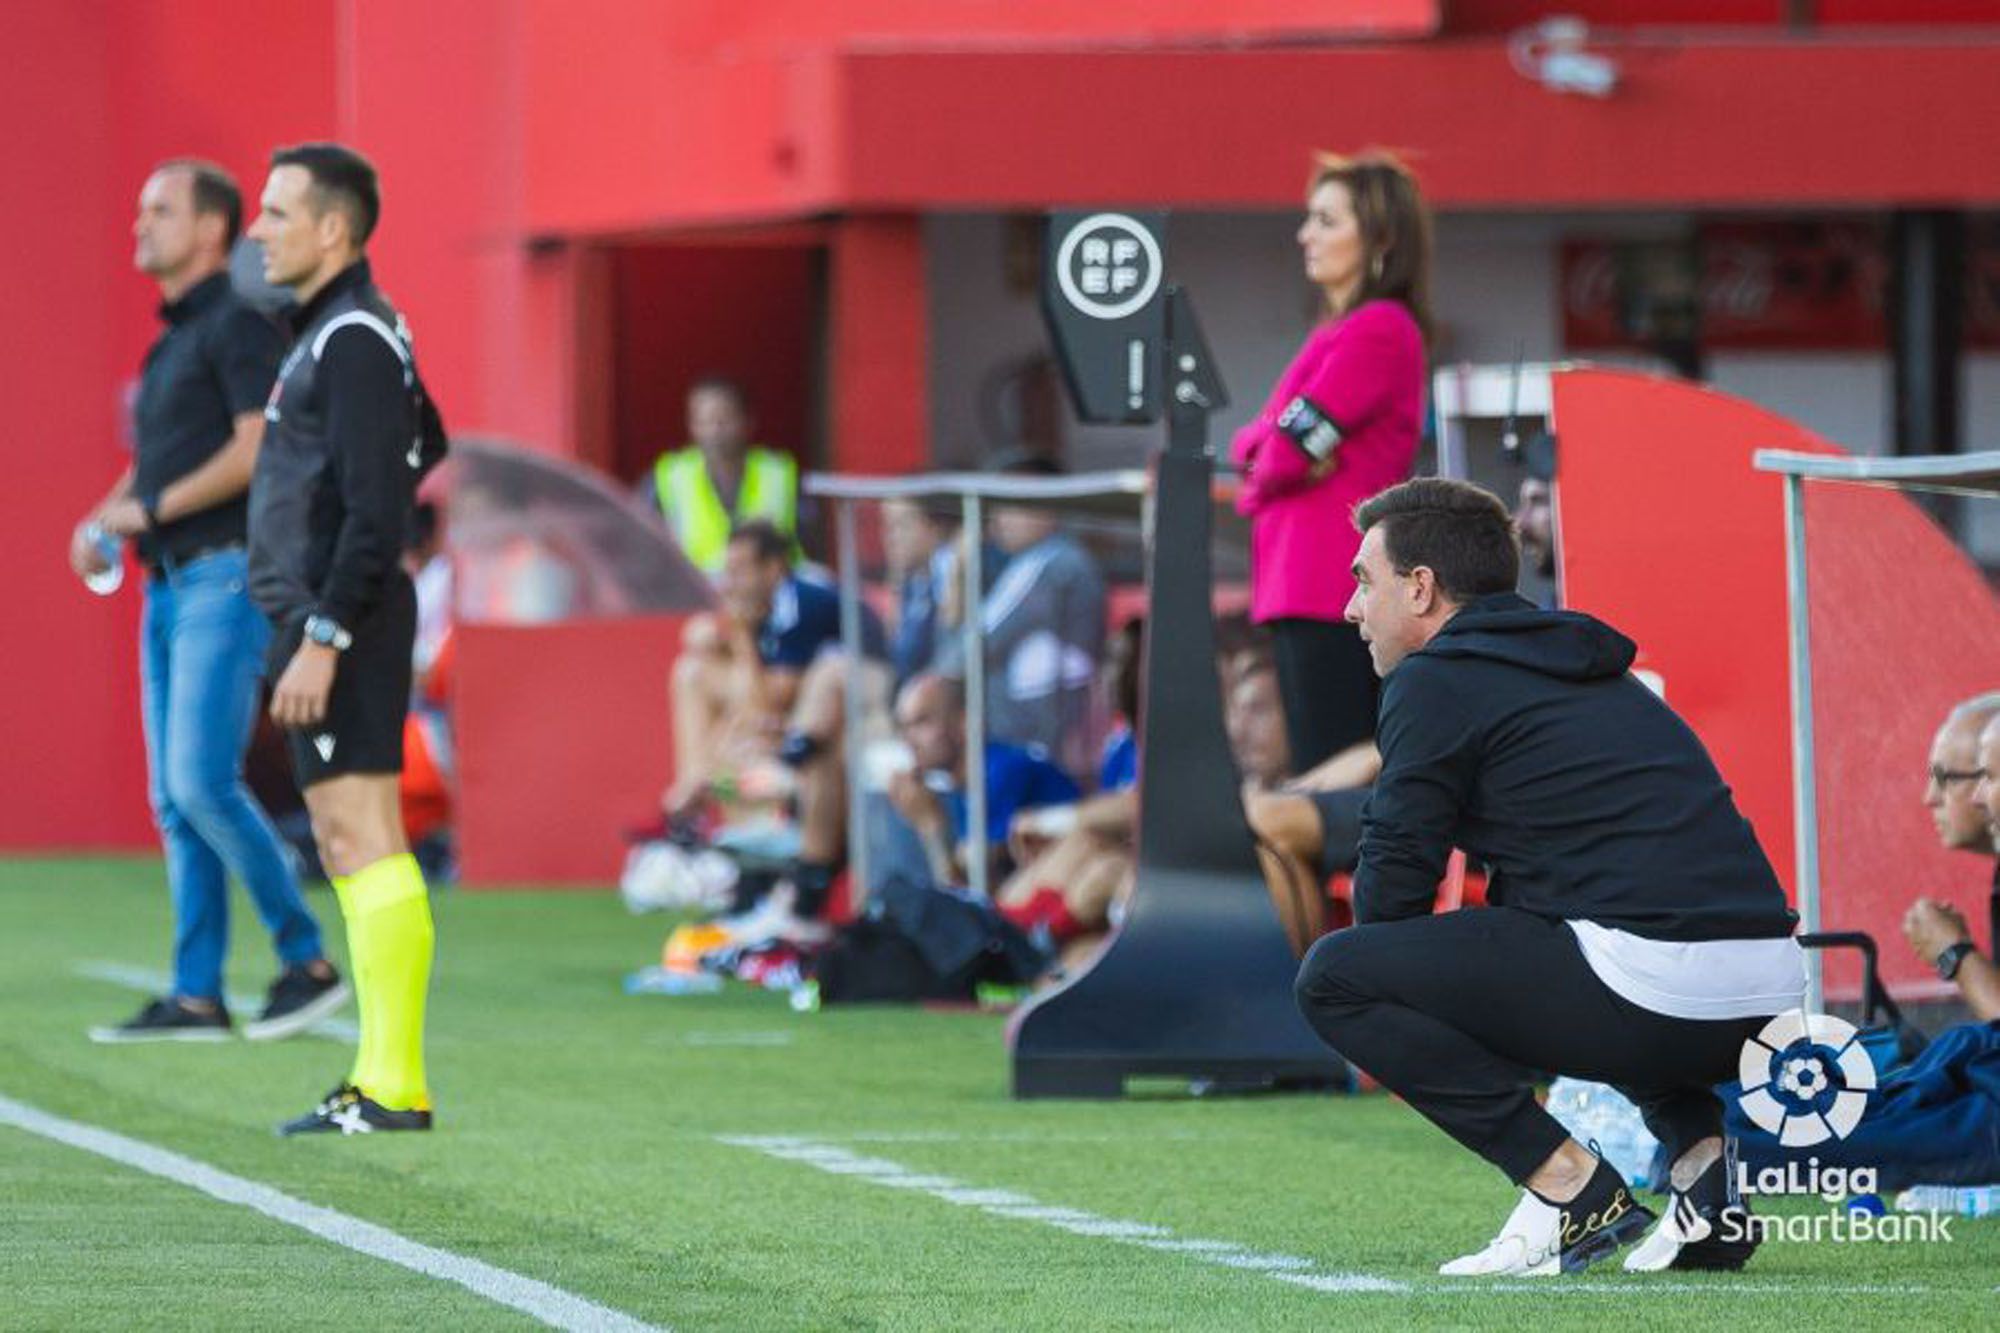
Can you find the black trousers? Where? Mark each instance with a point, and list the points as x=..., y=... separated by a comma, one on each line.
x=1329, y=687
x=1462, y=1014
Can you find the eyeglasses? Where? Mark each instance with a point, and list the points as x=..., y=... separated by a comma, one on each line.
x=1944, y=777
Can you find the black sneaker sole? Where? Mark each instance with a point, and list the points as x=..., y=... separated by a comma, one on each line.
x=298, y=1020
x=327, y=1125
x=1603, y=1244
x=1713, y=1254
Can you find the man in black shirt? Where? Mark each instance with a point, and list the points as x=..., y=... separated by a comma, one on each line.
x=198, y=423
x=1635, y=934
x=329, y=508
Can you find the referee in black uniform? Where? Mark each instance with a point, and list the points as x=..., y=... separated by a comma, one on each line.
x=329, y=506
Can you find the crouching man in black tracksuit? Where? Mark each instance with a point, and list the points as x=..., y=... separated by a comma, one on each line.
x=330, y=506
x=1635, y=936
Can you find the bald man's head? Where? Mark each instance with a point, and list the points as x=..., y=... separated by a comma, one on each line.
x=930, y=717
x=1951, y=787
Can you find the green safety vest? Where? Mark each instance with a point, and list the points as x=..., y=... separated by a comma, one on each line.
x=694, y=511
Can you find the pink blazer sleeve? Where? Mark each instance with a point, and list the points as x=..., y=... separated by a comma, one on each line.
x=1367, y=365
x=1350, y=372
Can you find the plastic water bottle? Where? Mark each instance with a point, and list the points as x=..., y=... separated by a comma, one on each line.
x=112, y=551
x=1962, y=1200
x=1599, y=1116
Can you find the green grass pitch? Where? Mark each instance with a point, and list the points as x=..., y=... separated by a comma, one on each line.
x=582, y=1142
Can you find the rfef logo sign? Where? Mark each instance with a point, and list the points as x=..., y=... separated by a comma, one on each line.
x=1108, y=265
x=1103, y=298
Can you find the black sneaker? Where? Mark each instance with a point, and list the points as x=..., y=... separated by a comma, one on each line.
x=347, y=1110
x=1542, y=1238
x=167, y=1019
x=1706, y=1228
x=296, y=1001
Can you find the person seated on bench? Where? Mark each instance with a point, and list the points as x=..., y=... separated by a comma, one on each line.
x=1935, y=1120
x=919, y=547
x=1042, y=626
x=1073, y=863
x=1957, y=793
x=918, y=831
x=753, y=679
x=1307, y=828
x=919, y=827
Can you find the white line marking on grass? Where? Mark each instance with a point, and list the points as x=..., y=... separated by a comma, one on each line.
x=538, y=1300
x=150, y=982
x=1642, y=1287
x=946, y=1136
x=1296, y=1270
x=738, y=1039
x=1339, y=1283
x=1019, y=1207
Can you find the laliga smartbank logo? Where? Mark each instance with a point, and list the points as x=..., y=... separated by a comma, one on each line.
x=1805, y=1078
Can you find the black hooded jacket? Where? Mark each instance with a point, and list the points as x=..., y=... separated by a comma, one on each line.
x=1521, y=736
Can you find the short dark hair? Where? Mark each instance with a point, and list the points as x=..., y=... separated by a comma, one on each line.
x=215, y=193
x=722, y=384
x=341, y=178
x=1460, y=532
x=763, y=537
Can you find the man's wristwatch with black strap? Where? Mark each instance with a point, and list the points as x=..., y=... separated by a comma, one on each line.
x=328, y=633
x=1949, y=961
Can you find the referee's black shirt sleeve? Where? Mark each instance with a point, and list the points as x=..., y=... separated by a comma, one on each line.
x=369, y=429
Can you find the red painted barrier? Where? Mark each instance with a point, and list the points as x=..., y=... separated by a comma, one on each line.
x=564, y=740
x=1903, y=626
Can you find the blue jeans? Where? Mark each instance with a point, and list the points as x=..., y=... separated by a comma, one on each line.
x=201, y=658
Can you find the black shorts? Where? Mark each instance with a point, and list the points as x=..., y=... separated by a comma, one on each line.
x=362, y=731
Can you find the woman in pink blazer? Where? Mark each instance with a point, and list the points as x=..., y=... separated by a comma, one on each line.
x=1341, y=424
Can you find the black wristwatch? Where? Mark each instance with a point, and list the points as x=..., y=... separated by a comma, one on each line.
x=1949, y=961
x=328, y=633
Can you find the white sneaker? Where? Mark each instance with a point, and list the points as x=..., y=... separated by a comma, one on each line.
x=1707, y=1225
x=1681, y=1226
x=1529, y=1245
x=1542, y=1239
x=775, y=921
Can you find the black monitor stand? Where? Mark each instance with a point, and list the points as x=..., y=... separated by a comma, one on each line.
x=1197, y=982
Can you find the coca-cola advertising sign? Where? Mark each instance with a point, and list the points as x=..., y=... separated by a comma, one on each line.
x=1791, y=286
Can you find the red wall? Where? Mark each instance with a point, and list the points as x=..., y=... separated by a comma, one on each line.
x=1735, y=122
x=681, y=311
x=96, y=94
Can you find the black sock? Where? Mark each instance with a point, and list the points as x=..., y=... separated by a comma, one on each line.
x=751, y=886
x=1602, y=1187
x=812, y=880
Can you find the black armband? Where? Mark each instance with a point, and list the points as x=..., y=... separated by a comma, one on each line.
x=1315, y=433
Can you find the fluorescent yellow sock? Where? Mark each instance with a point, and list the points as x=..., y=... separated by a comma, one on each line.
x=389, y=930
x=357, y=959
